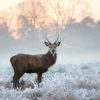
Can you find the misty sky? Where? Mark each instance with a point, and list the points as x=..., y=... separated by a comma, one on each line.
x=80, y=43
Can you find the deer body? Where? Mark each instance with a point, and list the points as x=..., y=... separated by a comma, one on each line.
x=25, y=63
x=32, y=63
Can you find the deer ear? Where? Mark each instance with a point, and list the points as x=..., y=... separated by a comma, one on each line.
x=58, y=43
x=46, y=43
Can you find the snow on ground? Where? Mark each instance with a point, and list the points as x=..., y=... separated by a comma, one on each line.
x=61, y=82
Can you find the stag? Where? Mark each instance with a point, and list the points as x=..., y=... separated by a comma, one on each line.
x=25, y=63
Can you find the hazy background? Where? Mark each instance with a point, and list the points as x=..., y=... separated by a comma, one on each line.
x=21, y=31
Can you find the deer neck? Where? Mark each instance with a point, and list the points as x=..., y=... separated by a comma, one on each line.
x=52, y=56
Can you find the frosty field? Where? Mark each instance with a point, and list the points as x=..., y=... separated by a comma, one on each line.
x=61, y=82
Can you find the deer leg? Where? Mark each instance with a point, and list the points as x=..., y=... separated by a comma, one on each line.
x=39, y=78
x=16, y=80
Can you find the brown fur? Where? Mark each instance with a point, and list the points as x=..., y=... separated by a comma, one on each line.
x=24, y=63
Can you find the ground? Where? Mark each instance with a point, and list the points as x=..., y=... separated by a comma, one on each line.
x=61, y=82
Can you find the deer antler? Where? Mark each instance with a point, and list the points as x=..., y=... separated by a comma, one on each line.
x=47, y=38
x=57, y=38
x=49, y=41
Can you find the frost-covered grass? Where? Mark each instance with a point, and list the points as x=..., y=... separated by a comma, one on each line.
x=61, y=82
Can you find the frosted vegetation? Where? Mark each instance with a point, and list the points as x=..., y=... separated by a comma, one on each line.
x=61, y=82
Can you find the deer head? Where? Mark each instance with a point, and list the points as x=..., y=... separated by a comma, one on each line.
x=52, y=46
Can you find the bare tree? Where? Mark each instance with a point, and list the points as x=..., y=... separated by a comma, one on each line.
x=35, y=12
x=68, y=11
x=52, y=13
